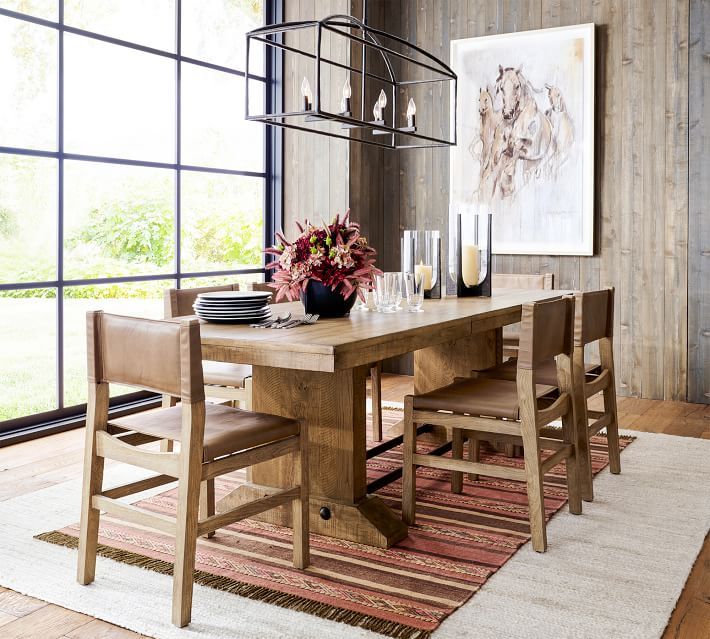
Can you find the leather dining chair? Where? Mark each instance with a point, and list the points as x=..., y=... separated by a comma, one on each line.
x=511, y=411
x=165, y=356
x=223, y=380
x=543, y=281
x=593, y=323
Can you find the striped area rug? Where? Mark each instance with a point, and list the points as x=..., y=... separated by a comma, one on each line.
x=404, y=592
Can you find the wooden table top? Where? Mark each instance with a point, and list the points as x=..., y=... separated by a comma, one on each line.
x=364, y=337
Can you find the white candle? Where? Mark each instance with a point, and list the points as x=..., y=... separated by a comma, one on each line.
x=427, y=273
x=470, y=264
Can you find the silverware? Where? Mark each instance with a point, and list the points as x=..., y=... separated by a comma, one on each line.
x=304, y=321
x=280, y=319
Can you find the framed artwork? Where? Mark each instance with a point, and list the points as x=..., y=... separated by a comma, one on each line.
x=526, y=138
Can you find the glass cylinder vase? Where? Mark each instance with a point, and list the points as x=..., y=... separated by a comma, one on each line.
x=473, y=254
x=421, y=253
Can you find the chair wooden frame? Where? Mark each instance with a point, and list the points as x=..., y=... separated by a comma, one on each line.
x=526, y=432
x=187, y=466
x=178, y=303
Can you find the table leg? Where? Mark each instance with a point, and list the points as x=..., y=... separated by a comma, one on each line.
x=333, y=406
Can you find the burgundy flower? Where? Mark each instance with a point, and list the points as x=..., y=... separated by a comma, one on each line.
x=335, y=254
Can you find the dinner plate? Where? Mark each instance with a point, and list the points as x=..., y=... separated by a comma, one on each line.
x=235, y=295
x=228, y=313
x=231, y=304
x=234, y=318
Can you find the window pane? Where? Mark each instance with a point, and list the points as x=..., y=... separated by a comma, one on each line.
x=137, y=299
x=28, y=77
x=214, y=132
x=46, y=9
x=118, y=102
x=28, y=379
x=148, y=22
x=222, y=222
x=214, y=30
x=243, y=280
x=118, y=220
x=28, y=202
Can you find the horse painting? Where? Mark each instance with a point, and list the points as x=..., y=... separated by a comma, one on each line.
x=519, y=141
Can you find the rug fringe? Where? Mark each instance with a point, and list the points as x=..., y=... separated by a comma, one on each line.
x=226, y=584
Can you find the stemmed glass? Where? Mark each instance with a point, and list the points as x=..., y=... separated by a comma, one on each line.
x=414, y=284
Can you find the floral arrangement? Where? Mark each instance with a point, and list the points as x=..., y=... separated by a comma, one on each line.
x=335, y=254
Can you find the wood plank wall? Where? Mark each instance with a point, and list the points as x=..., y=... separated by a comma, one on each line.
x=641, y=191
x=641, y=168
x=699, y=232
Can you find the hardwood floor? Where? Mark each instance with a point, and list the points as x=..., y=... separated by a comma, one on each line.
x=34, y=465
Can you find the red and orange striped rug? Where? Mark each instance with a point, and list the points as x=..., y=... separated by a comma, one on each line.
x=405, y=592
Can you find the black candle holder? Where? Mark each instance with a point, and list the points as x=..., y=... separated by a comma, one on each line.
x=480, y=237
x=421, y=250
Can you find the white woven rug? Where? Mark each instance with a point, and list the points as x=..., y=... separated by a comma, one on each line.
x=615, y=571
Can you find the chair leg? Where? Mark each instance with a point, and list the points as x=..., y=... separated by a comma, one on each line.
x=301, y=509
x=612, y=431
x=92, y=484
x=376, y=376
x=536, y=496
x=409, y=486
x=457, y=453
x=248, y=389
x=474, y=455
x=207, y=502
x=572, y=466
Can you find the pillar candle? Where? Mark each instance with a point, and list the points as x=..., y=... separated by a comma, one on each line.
x=426, y=271
x=470, y=264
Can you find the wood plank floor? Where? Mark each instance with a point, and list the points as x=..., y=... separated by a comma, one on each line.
x=34, y=465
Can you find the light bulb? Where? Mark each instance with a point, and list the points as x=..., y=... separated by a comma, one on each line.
x=411, y=113
x=382, y=100
x=307, y=94
x=345, y=102
x=411, y=108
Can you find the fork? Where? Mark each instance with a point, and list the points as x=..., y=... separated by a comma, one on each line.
x=305, y=320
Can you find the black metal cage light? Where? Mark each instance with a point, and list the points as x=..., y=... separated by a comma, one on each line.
x=401, y=72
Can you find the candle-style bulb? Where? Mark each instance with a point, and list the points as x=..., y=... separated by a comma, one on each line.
x=382, y=100
x=411, y=113
x=347, y=93
x=411, y=108
x=306, y=93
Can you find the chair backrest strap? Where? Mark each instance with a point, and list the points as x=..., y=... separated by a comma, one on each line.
x=546, y=331
x=594, y=316
x=179, y=301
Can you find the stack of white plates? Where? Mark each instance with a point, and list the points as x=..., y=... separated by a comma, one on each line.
x=233, y=307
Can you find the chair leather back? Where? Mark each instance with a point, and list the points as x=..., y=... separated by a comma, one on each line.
x=519, y=280
x=546, y=331
x=594, y=316
x=164, y=356
x=179, y=301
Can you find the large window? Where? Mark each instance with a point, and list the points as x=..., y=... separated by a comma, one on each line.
x=126, y=166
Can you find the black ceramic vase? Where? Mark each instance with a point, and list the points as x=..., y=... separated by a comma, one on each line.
x=321, y=300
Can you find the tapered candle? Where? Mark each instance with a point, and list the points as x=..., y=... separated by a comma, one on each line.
x=427, y=272
x=470, y=264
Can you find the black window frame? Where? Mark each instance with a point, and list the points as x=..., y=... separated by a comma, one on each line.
x=66, y=417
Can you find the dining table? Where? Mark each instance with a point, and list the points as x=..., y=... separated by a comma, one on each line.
x=317, y=373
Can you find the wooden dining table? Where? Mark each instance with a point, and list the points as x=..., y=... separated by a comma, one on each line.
x=317, y=373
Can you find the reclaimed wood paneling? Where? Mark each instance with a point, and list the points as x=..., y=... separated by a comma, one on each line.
x=641, y=170
x=643, y=159
x=699, y=196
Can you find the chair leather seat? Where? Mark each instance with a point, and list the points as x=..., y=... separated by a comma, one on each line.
x=545, y=374
x=227, y=430
x=488, y=397
x=225, y=374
